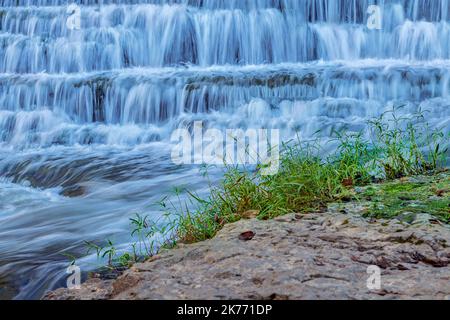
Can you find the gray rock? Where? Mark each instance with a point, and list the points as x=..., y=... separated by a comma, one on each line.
x=323, y=256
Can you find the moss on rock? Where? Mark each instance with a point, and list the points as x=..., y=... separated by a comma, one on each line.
x=406, y=198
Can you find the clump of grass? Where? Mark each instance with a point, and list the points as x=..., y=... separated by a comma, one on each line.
x=407, y=145
x=307, y=181
x=109, y=251
x=150, y=237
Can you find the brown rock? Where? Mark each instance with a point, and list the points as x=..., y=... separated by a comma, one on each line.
x=308, y=258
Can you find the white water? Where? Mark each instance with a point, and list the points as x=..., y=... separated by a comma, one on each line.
x=86, y=115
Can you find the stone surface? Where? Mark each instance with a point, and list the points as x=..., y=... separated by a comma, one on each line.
x=316, y=256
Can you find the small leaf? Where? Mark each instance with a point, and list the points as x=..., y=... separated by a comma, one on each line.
x=348, y=182
x=247, y=236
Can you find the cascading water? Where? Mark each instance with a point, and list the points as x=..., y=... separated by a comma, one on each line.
x=86, y=115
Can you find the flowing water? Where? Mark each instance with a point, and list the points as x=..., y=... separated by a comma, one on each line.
x=86, y=114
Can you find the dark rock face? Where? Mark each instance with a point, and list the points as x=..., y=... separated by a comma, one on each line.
x=318, y=256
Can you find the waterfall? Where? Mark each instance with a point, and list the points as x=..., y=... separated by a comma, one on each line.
x=86, y=113
x=37, y=39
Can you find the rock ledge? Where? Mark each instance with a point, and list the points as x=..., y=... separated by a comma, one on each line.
x=316, y=256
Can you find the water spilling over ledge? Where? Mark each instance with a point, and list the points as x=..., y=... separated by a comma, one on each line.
x=86, y=115
x=37, y=39
x=86, y=108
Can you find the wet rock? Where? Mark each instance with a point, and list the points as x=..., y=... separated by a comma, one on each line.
x=73, y=191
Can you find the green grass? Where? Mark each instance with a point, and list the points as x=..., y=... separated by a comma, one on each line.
x=307, y=182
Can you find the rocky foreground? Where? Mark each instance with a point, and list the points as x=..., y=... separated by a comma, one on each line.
x=317, y=256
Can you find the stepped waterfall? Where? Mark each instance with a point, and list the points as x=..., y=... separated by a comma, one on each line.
x=86, y=113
